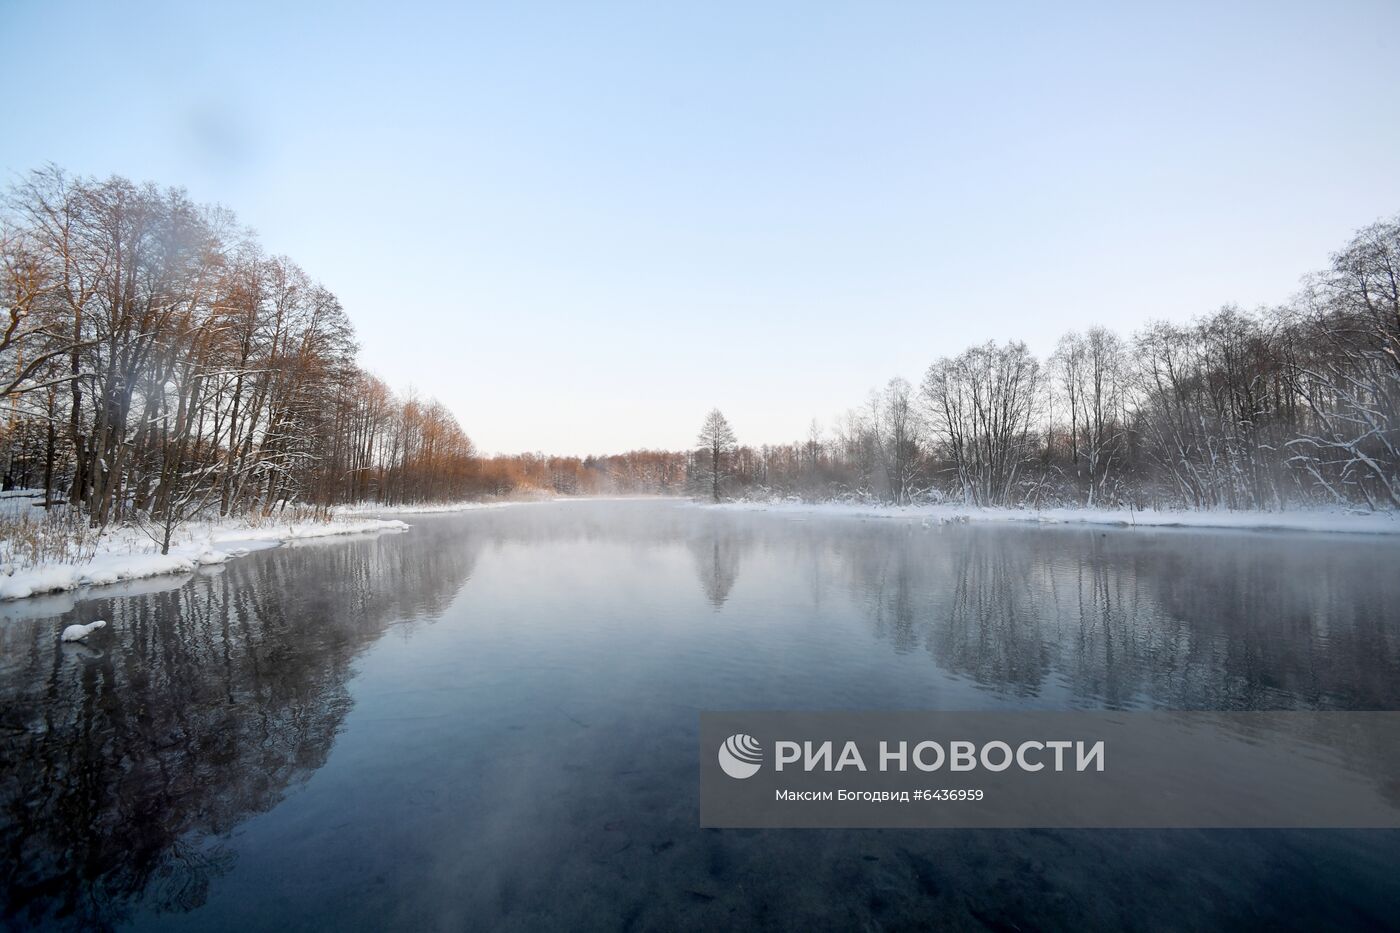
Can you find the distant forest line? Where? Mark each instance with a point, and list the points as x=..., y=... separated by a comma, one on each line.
x=1286, y=406
x=158, y=363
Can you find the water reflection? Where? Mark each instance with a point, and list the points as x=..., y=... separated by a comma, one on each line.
x=528, y=759
x=199, y=705
x=718, y=549
x=1121, y=619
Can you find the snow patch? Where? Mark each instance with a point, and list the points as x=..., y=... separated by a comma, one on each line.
x=127, y=554
x=370, y=508
x=1333, y=521
x=79, y=632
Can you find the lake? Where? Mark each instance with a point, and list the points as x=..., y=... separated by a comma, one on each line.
x=491, y=722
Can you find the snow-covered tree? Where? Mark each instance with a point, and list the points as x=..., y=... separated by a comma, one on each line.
x=716, y=443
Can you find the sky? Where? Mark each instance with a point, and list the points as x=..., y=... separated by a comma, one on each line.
x=583, y=225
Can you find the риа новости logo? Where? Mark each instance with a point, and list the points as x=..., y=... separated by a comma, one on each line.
x=741, y=756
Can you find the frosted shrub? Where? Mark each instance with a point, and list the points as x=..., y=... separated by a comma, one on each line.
x=59, y=536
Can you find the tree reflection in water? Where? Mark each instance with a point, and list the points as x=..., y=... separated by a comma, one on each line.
x=123, y=761
x=718, y=549
x=1135, y=619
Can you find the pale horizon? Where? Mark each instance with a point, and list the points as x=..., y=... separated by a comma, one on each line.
x=581, y=229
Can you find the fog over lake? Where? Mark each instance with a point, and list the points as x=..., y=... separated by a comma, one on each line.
x=491, y=720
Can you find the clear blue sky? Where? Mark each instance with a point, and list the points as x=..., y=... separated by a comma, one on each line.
x=582, y=225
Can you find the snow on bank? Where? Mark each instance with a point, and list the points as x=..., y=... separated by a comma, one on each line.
x=128, y=554
x=1317, y=520
x=370, y=508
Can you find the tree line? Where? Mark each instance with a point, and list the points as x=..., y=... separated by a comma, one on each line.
x=158, y=362
x=1291, y=405
x=636, y=472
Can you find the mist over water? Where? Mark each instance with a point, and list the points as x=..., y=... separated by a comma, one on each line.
x=491, y=721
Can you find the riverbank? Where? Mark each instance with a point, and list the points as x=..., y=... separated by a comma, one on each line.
x=474, y=505
x=126, y=553
x=372, y=508
x=1330, y=521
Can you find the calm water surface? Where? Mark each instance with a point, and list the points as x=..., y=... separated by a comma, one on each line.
x=490, y=722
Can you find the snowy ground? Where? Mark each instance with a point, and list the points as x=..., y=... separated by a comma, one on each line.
x=1316, y=520
x=371, y=508
x=126, y=553
x=129, y=554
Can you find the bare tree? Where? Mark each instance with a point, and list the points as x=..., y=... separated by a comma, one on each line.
x=897, y=431
x=1092, y=370
x=982, y=404
x=1349, y=375
x=716, y=442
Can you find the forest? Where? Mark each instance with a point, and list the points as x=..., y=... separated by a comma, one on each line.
x=158, y=364
x=1296, y=405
